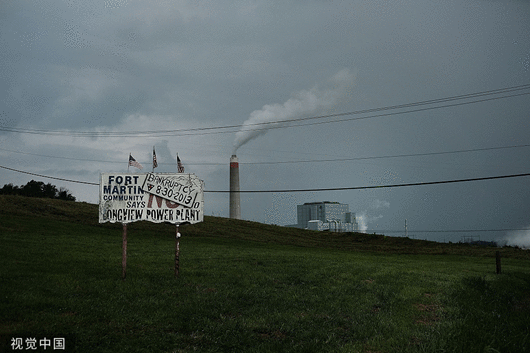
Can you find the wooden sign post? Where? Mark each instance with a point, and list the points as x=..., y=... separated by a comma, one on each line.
x=176, y=198
x=498, y=262
x=124, y=252
x=177, y=252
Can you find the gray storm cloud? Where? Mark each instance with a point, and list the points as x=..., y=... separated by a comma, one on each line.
x=302, y=103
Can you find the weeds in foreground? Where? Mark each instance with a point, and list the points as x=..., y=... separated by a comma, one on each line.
x=63, y=279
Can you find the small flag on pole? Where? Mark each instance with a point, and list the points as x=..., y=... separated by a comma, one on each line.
x=134, y=163
x=155, y=163
x=180, y=167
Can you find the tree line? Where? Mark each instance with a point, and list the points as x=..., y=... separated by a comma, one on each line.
x=38, y=189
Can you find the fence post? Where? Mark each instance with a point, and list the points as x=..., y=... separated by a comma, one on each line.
x=498, y=261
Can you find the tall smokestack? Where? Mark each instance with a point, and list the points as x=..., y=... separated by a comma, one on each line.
x=235, y=208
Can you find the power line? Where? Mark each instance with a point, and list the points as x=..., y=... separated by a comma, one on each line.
x=347, y=188
x=372, y=230
x=391, y=156
x=60, y=157
x=397, y=113
x=290, y=162
x=315, y=189
x=378, y=186
x=278, y=123
x=49, y=177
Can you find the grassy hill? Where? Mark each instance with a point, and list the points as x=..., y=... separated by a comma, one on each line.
x=87, y=214
x=249, y=287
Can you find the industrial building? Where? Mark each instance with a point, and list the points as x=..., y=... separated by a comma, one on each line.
x=326, y=215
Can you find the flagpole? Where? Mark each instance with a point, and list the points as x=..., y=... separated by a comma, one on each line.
x=180, y=168
x=124, y=238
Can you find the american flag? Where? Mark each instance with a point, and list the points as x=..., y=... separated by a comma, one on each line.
x=155, y=163
x=180, y=167
x=134, y=163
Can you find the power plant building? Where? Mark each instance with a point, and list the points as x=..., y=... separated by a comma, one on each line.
x=326, y=215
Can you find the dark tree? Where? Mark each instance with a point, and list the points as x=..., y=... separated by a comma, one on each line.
x=10, y=189
x=33, y=189
x=63, y=194
x=49, y=191
x=38, y=189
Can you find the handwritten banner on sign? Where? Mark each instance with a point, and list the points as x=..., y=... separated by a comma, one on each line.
x=123, y=199
x=184, y=189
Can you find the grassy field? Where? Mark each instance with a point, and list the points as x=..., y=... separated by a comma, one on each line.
x=249, y=287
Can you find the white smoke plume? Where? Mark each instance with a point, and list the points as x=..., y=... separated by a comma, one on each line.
x=520, y=238
x=361, y=221
x=302, y=103
x=363, y=218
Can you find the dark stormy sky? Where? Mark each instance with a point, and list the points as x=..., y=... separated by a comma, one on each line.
x=74, y=75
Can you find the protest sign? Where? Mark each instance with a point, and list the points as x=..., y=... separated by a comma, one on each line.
x=184, y=189
x=173, y=198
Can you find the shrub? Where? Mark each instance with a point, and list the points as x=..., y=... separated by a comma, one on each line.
x=38, y=189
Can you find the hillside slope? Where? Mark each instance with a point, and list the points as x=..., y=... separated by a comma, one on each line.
x=34, y=209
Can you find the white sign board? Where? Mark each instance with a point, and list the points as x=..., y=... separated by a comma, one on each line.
x=180, y=188
x=173, y=198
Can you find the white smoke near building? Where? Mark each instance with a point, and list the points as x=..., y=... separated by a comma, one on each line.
x=361, y=221
x=520, y=238
x=366, y=217
x=301, y=104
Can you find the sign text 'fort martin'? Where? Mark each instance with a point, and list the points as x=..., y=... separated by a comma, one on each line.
x=154, y=197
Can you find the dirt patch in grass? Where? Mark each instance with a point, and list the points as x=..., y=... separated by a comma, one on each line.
x=428, y=314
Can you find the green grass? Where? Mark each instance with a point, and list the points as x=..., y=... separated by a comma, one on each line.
x=248, y=287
